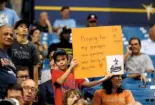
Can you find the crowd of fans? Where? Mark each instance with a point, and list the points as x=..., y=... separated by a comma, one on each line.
x=22, y=54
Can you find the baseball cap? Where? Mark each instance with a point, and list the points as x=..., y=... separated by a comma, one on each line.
x=92, y=18
x=1, y=1
x=21, y=22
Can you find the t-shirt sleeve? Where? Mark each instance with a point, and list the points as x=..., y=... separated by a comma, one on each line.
x=97, y=99
x=142, y=50
x=129, y=97
x=35, y=55
x=56, y=24
x=79, y=82
x=148, y=63
x=73, y=25
x=55, y=75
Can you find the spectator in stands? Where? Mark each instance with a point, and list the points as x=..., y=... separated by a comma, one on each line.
x=15, y=91
x=7, y=68
x=34, y=37
x=91, y=20
x=63, y=44
x=149, y=44
x=22, y=74
x=24, y=52
x=7, y=16
x=112, y=93
x=29, y=91
x=136, y=63
x=44, y=24
x=46, y=93
x=63, y=77
x=66, y=21
x=74, y=97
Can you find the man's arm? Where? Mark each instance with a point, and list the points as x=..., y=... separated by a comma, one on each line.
x=35, y=60
x=63, y=78
x=148, y=64
x=94, y=83
x=49, y=26
x=56, y=26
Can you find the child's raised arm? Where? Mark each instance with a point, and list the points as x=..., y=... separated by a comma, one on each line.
x=63, y=78
x=94, y=83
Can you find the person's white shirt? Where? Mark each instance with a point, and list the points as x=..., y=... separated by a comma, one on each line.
x=45, y=76
x=148, y=47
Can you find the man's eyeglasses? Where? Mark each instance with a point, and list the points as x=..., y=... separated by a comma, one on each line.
x=27, y=88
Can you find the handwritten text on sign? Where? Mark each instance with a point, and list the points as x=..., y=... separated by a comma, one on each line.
x=92, y=45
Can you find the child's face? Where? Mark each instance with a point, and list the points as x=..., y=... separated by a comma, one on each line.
x=72, y=98
x=61, y=62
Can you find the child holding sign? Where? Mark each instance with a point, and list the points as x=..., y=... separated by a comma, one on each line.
x=63, y=77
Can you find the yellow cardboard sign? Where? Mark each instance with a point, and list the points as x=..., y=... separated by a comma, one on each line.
x=92, y=45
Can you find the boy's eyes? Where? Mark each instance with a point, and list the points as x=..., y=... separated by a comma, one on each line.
x=61, y=59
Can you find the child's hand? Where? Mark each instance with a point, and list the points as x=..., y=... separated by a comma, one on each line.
x=73, y=63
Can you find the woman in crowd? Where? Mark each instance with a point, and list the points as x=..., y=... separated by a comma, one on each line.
x=35, y=39
x=112, y=93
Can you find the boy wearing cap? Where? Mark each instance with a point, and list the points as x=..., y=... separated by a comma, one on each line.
x=63, y=77
x=91, y=20
x=23, y=52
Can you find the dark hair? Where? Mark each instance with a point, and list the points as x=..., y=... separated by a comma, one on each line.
x=59, y=52
x=21, y=68
x=151, y=25
x=107, y=85
x=9, y=101
x=64, y=7
x=135, y=38
x=15, y=87
x=31, y=33
x=1, y=1
x=68, y=93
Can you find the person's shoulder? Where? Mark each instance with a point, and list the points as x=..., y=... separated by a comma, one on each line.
x=57, y=72
x=100, y=91
x=30, y=44
x=126, y=91
x=71, y=19
x=144, y=55
x=57, y=20
x=10, y=10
